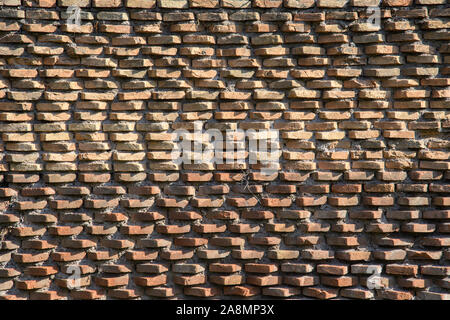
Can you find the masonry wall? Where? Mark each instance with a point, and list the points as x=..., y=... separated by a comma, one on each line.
x=87, y=117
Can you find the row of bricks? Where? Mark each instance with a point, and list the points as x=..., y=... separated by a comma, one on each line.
x=165, y=155
x=99, y=98
x=237, y=39
x=415, y=52
x=186, y=190
x=158, y=145
x=427, y=243
x=243, y=74
x=295, y=87
x=259, y=92
x=135, y=171
x=244, y=228
x=297, y=27
x=269, y=111
x=393, y=269
x=249, y=214
x=398, y=255
x=239, y=291
x=158, y=131
x=235, y=150
x=232, y=4
x=259, y=281
x=124, y=29
x=206, y=177
x=304, y=201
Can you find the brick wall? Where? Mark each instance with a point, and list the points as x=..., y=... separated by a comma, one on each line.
x=87, y=121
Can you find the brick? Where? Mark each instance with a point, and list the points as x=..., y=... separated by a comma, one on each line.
x=146, y=4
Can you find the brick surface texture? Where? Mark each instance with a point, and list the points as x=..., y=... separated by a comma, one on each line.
x=87, y=116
